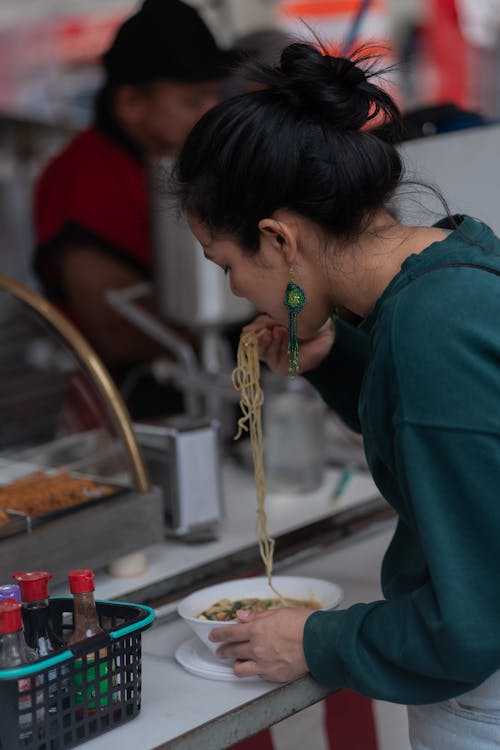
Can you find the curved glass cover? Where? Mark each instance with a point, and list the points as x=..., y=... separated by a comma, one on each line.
x=58, y=433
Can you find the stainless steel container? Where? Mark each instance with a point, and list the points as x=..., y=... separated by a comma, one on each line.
x=188, y=289
x=182, y=457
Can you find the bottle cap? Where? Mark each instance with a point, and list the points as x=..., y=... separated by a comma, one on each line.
x=81, y=581
x=10, y=617
x=10, y=591
x=33, y=584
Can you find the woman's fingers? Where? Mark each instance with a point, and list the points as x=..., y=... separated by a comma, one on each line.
x=246, y=668
x=235, y=651
x=260, y=322
x=273, y=345
x=273, y=350
x=268, y=644
x=246, y=615
x=231, y=633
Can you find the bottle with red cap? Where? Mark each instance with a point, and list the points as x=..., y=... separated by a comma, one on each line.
x=85, y=619
x=86, y=625
x=14, y=652
x=34, y=587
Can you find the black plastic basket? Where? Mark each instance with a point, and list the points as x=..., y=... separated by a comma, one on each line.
x=79, y=693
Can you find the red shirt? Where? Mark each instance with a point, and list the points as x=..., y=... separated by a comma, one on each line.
x=93, y=190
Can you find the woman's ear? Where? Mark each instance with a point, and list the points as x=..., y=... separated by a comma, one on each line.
x=282, y=237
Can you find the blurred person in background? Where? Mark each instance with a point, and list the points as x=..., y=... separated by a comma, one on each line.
x=162, y=72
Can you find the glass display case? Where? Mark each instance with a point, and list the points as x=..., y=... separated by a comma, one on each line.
x=74, y=491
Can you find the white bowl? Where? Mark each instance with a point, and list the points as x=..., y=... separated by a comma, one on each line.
x=326, y=593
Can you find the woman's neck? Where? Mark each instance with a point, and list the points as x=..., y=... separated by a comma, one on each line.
x=370, y=264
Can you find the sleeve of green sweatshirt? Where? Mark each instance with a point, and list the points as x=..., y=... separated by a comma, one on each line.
x=437, y=633
x=442, y=639
x=338, y=378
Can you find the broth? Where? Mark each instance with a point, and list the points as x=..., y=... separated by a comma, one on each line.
x=225, y=610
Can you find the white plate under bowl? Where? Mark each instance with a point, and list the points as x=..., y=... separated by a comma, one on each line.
x=327, y=593
x=197, y=659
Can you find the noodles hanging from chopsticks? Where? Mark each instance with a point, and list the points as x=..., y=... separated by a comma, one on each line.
x=246, y=380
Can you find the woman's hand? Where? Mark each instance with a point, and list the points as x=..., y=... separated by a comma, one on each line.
x=268, y=644
x=273, y=345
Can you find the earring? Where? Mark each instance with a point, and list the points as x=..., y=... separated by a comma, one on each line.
x=295, y=299
x=334, y=317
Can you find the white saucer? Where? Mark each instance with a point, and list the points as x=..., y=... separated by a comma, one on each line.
x=195, y=657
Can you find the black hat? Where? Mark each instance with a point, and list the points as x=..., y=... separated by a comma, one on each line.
x=165, y=39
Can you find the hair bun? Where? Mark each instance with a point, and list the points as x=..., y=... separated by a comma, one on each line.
x=345, y=71
x=329, y=86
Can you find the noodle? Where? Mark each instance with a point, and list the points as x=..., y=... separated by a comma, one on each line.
x=246, y=379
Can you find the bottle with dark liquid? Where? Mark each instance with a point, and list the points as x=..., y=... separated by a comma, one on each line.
x=86, y=625
x=35, y=612
x=39, y=636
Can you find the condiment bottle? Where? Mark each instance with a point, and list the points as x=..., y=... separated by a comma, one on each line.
x=86, y=625
x=14, y=652
x=10, y=591
x=85, y=618
x=35, y=611
x=34, y=586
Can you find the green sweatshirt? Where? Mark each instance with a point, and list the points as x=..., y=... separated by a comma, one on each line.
x=421, y=379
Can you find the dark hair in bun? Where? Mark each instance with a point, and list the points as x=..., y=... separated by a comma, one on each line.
x=336, y=89
x=302, y=142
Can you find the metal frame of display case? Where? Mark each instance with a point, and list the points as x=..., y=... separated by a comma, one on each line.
x=82, y=536
x=93, y=365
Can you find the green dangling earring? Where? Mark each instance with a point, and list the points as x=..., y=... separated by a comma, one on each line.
x=295, y=299
x=334, y=317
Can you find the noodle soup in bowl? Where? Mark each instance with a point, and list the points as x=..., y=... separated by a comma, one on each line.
x=252, y=593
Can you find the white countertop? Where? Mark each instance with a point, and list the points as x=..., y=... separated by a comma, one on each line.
x=180, y=710
x=177, y=705
x=285, y=513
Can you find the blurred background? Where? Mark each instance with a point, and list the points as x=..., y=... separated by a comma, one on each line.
x=444, y=58
x=446, y=51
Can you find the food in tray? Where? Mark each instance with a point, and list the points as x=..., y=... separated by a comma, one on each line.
x=225, y=610
x=39, y=494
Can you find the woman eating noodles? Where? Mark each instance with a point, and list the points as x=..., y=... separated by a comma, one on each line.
x=287, y=188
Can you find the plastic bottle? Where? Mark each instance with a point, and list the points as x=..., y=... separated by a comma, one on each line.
x=14, y=652
x=86, y=625
x=294, y=429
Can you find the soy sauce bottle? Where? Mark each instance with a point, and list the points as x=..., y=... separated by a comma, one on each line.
x=95, y=673
x=85, y=618
x=39, y=636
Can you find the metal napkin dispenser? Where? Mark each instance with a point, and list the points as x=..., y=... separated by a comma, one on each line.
x=182, y=456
